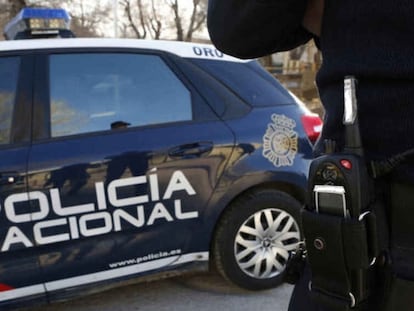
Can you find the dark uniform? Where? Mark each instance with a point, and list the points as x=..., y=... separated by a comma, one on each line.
x=371, y=40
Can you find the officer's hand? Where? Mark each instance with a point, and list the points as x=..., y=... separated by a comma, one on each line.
x=312, y=20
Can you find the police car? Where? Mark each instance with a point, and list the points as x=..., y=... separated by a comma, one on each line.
x=127, y=159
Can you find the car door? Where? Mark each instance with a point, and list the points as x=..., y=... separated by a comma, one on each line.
x=127, y=154
x=19, y=269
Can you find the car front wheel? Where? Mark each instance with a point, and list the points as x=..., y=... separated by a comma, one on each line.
x=254, y=238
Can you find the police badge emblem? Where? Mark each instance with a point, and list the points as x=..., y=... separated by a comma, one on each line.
x=280, y=143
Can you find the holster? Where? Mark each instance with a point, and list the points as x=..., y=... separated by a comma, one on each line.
x=342, y=253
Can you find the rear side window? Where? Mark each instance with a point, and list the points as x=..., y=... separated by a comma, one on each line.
x=92, y=92
x=249, y=80
x=9, y=67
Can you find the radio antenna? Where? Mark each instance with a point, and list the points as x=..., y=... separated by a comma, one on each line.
x=353, y=142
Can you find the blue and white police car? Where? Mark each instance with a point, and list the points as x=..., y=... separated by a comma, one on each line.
x=127, y=159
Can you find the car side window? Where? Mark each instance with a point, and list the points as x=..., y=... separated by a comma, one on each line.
x=92, y=92
x=9, y=71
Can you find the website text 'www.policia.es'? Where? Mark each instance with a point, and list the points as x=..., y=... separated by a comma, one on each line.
x=145, y=258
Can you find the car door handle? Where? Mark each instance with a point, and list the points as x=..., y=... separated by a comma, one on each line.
x=191, y=150
x=8, y=178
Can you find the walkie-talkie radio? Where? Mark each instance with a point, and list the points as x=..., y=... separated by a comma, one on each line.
x=338, y=223
x=339, y=181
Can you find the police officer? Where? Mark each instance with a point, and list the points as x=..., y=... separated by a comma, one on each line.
x=371, y=40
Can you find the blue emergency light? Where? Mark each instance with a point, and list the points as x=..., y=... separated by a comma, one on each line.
x=32, y=23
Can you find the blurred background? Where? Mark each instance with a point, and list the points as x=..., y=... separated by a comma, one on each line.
x=181, y=20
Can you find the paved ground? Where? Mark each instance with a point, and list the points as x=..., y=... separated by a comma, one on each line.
x=203, y=292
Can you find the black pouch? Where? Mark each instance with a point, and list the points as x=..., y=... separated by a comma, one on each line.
x=339, y=257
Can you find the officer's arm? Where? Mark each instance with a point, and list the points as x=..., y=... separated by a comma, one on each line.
x=253, y=28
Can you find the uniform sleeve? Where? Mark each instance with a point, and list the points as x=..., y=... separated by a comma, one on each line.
x=254, y=28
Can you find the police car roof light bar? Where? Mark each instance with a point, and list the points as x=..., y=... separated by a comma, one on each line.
x=38, y=23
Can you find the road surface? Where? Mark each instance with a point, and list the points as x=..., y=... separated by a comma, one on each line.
x=201, y=292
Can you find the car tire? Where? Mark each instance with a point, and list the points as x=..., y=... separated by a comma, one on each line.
x=254, y=238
